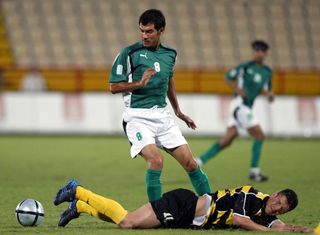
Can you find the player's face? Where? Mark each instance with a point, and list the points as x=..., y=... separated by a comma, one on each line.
x=150, y=36
x=277, y=204
x=259, y=55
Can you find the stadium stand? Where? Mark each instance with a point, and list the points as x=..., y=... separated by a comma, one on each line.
x=73, y=42
x=6, y=58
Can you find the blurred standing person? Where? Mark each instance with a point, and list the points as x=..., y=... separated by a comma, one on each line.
x=33, y=81
x=143, y=73
x=247, y=81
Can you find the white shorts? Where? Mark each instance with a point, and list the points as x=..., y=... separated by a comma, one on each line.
x=241, y=115
x=151, y=126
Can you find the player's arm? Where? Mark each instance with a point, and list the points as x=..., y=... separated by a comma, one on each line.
x=120, y=87
x=234, y=87
x=119, y=75
x=268, y=89
x=270, y=95
x=278, y=225
x=247, y=223
x=231, y=80
x=175, y=105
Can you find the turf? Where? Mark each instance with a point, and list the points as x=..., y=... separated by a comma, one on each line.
x=36, y=166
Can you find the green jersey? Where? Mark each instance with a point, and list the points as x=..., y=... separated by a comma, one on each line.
x=130, y=65
x=252, y=78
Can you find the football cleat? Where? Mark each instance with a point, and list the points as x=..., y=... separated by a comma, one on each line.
x=69, y=214
x=258, y=177
x=67, y=193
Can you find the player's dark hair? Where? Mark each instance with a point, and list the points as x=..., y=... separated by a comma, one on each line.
x=153, y=16
x=259, y=45
x=292, y=198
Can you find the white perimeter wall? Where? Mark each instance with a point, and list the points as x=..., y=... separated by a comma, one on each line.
x=99, y=113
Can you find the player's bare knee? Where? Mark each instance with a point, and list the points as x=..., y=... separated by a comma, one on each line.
x=155, y=163
x=262, y=137
x=191, y=165
x=228, y=143
x=225, y=143
x=259, y=136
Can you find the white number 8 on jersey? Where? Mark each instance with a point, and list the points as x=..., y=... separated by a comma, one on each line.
x=157, y=66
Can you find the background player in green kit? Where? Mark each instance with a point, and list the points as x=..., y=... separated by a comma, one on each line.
x=143, y=73
x=247, y=81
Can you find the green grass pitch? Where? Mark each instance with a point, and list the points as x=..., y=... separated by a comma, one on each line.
x=36, y=166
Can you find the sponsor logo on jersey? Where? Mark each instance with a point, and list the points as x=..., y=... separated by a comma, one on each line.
x=257, y=78
x=119, y=69
x=233, y=73
x=144, y=55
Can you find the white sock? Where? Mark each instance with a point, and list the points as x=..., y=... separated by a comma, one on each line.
x=199, y=161
x=255, y=170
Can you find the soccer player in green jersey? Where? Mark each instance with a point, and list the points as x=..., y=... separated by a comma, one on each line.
x=242, y=207
x=247, y=81
x=143, y=73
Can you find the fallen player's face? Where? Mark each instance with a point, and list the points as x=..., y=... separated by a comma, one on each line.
x=277, y=204
x=150, y=36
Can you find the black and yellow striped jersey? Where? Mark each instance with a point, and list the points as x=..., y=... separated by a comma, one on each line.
x=244, y=201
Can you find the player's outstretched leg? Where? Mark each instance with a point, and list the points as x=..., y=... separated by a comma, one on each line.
x=209, y=154
x=111, y=209
x=69, y=214
x=198, y=178
x=255, y=172
x=77, y=207
x=217, y=147
x=66, y=193
x=85, y=201
x=199, y=181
